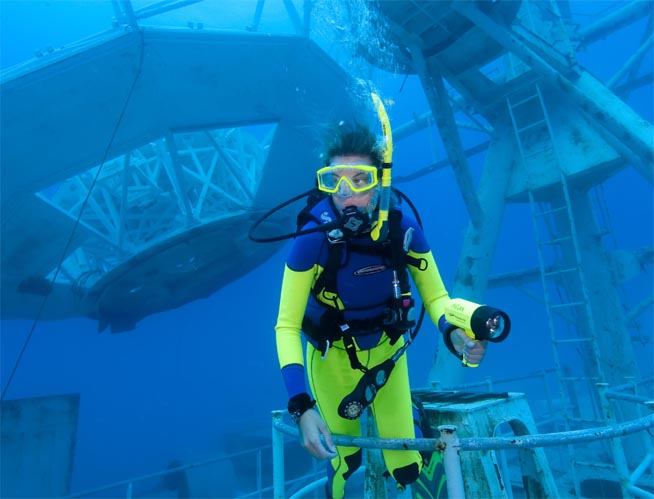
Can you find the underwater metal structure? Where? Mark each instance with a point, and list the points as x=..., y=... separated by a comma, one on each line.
x=556, y=134
x=137, y=177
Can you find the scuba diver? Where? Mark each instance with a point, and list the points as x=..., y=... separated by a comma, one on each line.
x=346, y=287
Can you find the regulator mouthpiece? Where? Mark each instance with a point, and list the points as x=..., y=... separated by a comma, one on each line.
x=354, y=222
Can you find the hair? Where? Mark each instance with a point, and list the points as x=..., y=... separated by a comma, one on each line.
x=353, y=139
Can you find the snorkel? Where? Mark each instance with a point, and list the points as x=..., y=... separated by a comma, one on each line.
x=380, y=229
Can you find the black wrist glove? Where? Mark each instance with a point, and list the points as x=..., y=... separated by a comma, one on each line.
x=299, y=404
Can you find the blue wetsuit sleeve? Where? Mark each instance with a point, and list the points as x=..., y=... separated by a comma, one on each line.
x=294, y=380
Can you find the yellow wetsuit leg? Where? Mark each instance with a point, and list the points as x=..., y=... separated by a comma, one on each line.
x=393, y=411
x=332, y=378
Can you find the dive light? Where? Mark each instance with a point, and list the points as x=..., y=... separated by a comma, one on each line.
x=479, y=322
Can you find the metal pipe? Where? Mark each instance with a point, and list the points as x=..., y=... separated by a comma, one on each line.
x=558, y=438
x=640, y=307
x=315, y=485
x=410, y=127
x=617, y=450
x=627, y=396
x=278, y=454
x=631, y=384
x=640, y=469
x=162, y=7
x=294, y=17
x=158, y=474
x=492, y=443
x=254, y=26
x=312, y=487
x=374, y=486
x=426, y=119
x=128, y=11
x=631, y=63
x=439, y=164
x=438, y=99
x=613, y=22
x=452, y=462
x=638, y=492
x=259, y=472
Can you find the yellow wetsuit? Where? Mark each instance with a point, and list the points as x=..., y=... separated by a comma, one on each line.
x=364, y=289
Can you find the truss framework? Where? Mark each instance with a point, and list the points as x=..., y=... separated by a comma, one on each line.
x=157, y=191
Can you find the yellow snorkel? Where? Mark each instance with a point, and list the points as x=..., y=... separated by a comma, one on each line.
x=380, y=230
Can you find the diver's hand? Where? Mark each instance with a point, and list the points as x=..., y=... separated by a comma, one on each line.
x=311, y=428
x=472, y=350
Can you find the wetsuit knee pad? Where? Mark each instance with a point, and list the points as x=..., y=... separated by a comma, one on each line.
x=336, y=480
x=353, y=462
x=406, y=474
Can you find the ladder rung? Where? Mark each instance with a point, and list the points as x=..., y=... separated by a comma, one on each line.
x=530, y=126
x=568, y=305
x=580, y=378
x=574, y=340
x=555, y=241
x=587, y=421
x=589, y=464
x=538, y=152
x=524, y=101
x=550, y=212
x=561, y=271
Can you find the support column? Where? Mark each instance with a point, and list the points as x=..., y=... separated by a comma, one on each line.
x=479, y=245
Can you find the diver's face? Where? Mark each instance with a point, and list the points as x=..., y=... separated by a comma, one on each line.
x=364, y=201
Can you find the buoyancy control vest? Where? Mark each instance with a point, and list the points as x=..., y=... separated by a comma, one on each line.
x=397, y=315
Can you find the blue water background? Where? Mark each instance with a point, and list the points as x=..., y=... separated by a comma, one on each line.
x=185, y=381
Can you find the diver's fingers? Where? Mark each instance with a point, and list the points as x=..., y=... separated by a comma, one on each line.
x=312, y=428
x=460, y=340
x=317, y=449
x=328, y=443
x=474, y=351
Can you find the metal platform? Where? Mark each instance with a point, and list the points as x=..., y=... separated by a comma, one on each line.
x=38, y=445
x=483, y=415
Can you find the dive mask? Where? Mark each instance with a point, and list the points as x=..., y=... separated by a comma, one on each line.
x=347, y=179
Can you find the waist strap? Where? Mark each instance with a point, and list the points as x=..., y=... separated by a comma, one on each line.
x=332, y=328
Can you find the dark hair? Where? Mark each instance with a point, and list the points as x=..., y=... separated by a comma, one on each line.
x=353, y=139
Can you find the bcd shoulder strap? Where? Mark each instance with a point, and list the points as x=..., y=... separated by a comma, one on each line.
x=305, y=216
x=398, y=254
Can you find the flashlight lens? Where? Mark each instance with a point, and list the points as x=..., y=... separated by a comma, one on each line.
x=495, y=326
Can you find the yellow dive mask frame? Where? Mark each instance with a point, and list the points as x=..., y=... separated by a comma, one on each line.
x=331, y=178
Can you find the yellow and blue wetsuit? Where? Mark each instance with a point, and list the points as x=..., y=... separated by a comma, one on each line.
x=364, y=288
